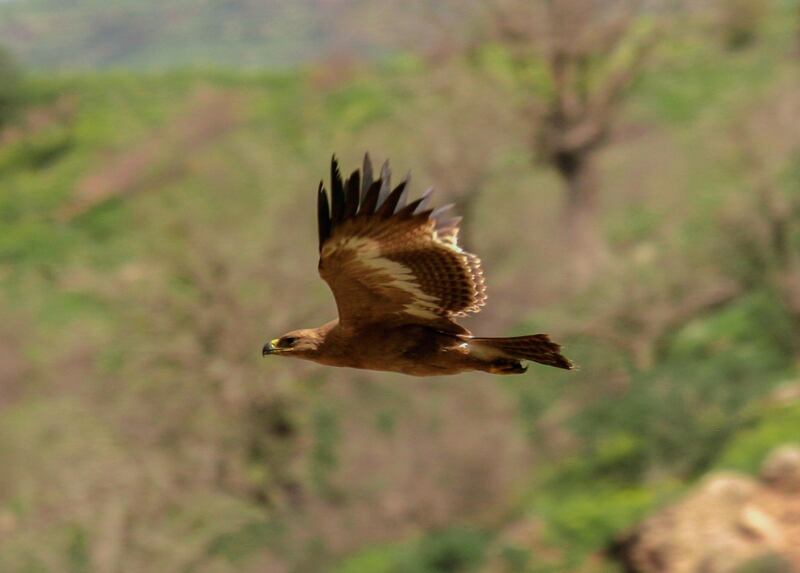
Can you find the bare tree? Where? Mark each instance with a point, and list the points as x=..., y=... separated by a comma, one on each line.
x=763, y=225
x=652, y=301
x=590, y=52
x=462, y=124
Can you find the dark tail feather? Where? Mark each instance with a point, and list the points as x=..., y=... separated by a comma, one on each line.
x=536, y=347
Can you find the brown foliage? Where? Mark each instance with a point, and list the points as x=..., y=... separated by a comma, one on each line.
x=761, y=226
x=416, y=456
x=462, y=123
x=39, y=119
x=740, y=21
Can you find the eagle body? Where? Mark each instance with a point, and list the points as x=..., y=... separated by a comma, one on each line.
x=400, y=280
x=411, y=349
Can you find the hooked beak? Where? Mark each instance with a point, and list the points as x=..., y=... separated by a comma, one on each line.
x=270, y=347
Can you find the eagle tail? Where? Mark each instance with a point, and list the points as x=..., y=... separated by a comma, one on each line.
x=536, y=347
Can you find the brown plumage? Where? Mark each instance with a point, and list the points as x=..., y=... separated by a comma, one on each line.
x=400, y=279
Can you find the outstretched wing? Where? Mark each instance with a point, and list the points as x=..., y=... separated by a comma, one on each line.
x=388, y=261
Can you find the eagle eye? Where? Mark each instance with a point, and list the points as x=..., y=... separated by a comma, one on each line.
x=287, y=341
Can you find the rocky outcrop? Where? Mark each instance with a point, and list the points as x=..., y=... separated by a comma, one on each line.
x=730, y=523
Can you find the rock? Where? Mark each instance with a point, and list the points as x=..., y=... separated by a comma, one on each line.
x=781, y=470
x=729, y=523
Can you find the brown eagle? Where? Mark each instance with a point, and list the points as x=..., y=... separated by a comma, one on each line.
x=400, y=280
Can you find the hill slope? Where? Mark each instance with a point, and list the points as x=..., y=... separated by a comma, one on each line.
x=90, y=34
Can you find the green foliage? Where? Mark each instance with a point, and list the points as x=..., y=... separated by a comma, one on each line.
x=326, y=436
x=676, y=416
x=691, y=411
x=455, y=550
x=499, y=63
x=78, y=551
x=36, y=152
x=375, y=559
x=771, y=428
x=10, y=87
x=451, y=551
x=516, y=559
x=688, y=80
x=586, y=519
x=240, y=545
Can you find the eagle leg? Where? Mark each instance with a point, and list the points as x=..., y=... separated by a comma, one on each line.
x=507, y=366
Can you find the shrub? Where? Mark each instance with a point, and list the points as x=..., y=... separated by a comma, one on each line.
x=773, y=428
x=741, y=20
x=9, y=87
x=454, y=550
x=450, y=551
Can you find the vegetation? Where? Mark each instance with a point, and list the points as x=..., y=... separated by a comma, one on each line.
x=249, y=34
x=741, y=22
x=9, y=87
x=156, y=228
x=580, y=58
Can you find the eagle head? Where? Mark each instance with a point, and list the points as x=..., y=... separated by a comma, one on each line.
x=302, y=343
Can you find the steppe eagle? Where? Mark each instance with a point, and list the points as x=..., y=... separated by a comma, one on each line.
x=400, y=280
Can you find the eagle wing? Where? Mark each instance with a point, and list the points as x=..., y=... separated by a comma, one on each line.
x=392, y=262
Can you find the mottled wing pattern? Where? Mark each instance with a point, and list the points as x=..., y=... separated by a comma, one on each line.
x=389, y=260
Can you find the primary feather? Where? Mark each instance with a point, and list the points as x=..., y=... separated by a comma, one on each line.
x=387, y=259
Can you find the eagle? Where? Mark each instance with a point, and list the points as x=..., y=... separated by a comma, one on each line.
x=400, y=281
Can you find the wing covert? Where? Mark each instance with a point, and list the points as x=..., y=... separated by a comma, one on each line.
x=386, y=259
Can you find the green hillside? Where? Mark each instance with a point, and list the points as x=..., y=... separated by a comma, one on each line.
x=157, y=228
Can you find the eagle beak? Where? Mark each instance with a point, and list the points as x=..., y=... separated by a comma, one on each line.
x=270, y=347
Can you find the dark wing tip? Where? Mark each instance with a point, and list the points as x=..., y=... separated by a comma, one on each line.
x=370, y=199
x=366, y=176
x=387, y=209
x=337, y=193
x=352, y=196
x=335, y=173
x=346, y=195
x=323, y=215
x=418, y=206
x=361, y=194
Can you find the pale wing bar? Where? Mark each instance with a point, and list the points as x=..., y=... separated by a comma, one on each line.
x=369, y=234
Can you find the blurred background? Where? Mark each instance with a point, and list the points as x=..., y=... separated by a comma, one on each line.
x=629, y=172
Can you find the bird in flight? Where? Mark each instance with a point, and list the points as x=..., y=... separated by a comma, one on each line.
x=400, y=280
